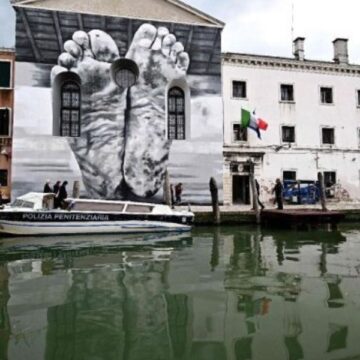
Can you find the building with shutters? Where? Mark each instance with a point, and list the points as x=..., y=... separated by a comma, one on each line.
x=313, y=112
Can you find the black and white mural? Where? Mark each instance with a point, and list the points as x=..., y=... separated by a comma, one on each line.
x=75, y=121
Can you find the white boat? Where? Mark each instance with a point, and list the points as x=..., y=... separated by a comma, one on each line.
x=34, y=214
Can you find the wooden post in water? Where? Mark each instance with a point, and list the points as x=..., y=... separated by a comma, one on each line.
x=76, y=189
x=254, y=192
x=215, y=201
x=166, y=190
x=322, y=191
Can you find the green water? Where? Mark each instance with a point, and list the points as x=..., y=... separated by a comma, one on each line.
x=228, y=293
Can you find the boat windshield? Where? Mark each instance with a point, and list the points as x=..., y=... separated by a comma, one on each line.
x=23, y=204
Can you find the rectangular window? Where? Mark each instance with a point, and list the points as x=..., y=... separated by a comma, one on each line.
x=289, y=175
x=358, y=98
x=287, y=92
x=326, y=95
x=329, y=182
x=329, y=178
x=4, y=122
x=239, y=89
x=4, y=177
x=5, y=74
x=239, y=133
x=328, y=136
x=288, y=134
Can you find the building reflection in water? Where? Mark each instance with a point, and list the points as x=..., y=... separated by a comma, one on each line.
x=222, y=294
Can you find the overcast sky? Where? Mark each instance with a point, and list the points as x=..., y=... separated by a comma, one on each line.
x=264, y=26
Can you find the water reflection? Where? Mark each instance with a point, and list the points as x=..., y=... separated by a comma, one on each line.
x=226, y=293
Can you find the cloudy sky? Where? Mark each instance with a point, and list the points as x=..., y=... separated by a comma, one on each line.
x=264, y=26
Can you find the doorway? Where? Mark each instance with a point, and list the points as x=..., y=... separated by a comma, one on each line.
x=241, y=189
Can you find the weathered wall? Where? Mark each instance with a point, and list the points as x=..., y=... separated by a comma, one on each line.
x=123, y=150
x=307, y=156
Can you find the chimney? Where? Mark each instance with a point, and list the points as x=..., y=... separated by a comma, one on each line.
x=298, y=46
x=341, y=51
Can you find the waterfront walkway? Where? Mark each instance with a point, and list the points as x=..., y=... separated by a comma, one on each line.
x=246, y=208
x=243, y=214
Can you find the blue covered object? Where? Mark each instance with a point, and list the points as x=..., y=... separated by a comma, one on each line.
x=301, y=192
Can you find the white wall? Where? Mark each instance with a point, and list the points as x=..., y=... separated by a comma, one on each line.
x=307, y=156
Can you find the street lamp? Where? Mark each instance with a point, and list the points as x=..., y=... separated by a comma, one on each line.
x=124, y=72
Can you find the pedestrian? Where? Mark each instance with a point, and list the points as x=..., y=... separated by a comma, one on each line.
x=172, y=195
x=62, y=194
x=278, y=190
x=258, y=194
x=56, y=192
x=178, y=192
x=47, y=188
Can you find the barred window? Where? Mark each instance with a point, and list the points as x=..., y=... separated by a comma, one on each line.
x=288, y=134
x=176, y=114
x=328, y=136
x=287, y=92
x=70, y=110
x=239, y=133
x=239, y=89
x=326, y=95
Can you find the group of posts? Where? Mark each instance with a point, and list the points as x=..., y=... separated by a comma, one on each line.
x=215, y=197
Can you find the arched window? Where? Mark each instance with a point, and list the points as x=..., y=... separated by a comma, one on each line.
x=176, y=114
x=70, y=109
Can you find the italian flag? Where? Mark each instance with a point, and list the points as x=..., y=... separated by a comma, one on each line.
x=249, y=120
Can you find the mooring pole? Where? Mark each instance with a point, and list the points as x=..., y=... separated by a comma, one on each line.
x=254, y=192
x=322, y=191
x=167, y=191
x=215, y=201
x=76, y=189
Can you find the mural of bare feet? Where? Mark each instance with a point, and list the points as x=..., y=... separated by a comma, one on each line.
x=99, y=148
x=160, y=59
x=120, y=145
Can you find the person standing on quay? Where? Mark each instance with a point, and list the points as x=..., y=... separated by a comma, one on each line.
x=278, y=190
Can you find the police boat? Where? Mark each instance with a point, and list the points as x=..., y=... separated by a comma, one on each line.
x=34, y=214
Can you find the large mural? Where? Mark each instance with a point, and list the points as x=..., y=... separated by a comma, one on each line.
x=121, y=144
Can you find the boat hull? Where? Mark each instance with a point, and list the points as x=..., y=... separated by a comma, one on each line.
x=93, y=227
x=65, y=222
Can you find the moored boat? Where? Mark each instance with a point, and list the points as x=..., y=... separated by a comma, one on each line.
x=34, y=214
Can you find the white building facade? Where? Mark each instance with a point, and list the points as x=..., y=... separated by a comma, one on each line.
x=313, y=112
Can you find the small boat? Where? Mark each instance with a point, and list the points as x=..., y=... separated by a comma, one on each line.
x=34, y=214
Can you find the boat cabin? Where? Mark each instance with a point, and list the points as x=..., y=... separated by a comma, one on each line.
x=41, y=201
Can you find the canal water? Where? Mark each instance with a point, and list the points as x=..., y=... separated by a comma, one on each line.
x=227, y=293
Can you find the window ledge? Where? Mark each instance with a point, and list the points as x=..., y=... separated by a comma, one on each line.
x=239, y=142
x=287, y=102
x=239, y=98
x=327, y=104
x=290, y=144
